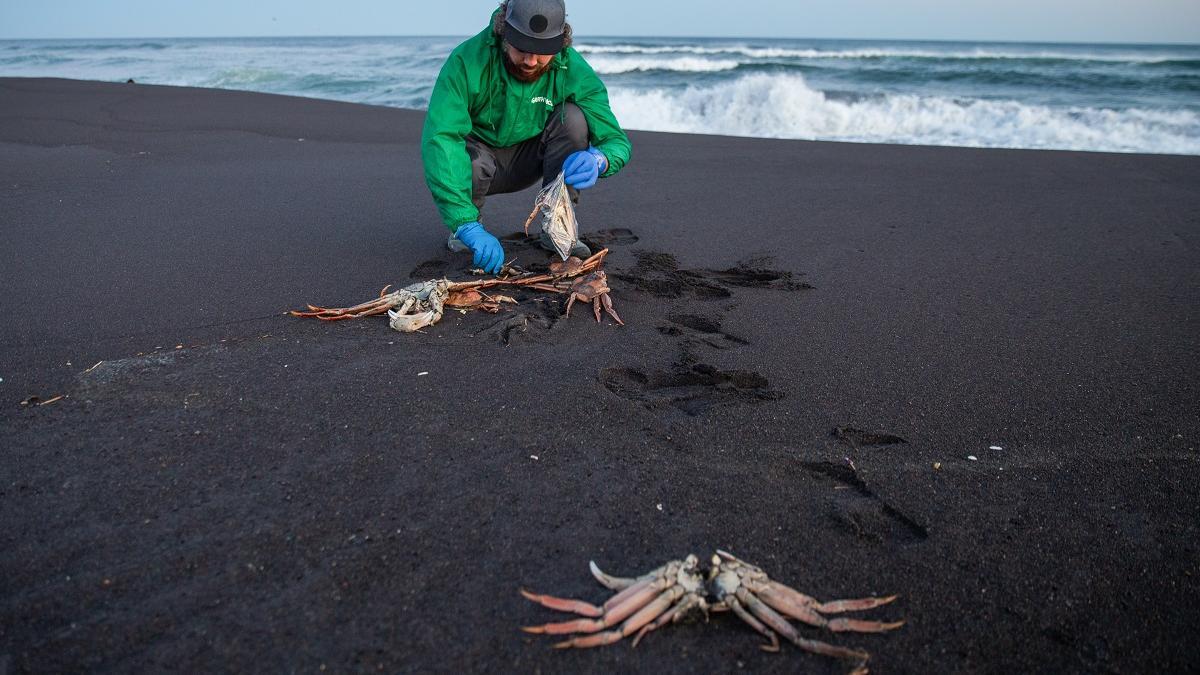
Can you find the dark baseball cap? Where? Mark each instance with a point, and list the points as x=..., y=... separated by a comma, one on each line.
x=536, y=26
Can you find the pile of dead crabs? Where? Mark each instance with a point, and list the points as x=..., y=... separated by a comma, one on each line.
x=415, y=307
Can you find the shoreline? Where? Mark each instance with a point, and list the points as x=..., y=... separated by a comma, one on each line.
x=978, y=120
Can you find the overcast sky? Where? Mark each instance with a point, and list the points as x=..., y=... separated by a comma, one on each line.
x=1021, y=20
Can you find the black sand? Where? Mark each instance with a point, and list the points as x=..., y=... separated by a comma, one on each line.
x=235, y=489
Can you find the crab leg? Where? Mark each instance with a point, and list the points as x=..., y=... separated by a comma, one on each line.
x=613, y=614
x=809, y=614
x=832, y=607
x=564, y=605
x=377, y=306
x=773, y=646
x=536, y=207
x=644, y=616
x=781, y=625
x=608, y=307
x=594, y=261
x=638, y=586
x=584, y=608
x=678, y=610
x=839, y=606
x=596, y=306
x=620, y=583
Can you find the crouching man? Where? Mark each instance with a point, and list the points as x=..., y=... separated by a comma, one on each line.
x=514, y=106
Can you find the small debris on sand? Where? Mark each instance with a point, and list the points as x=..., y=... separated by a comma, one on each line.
x=973, y=458
x=37, y=400
x=994, y=447
x=937, y=466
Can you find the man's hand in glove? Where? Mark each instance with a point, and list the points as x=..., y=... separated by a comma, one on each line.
x=583, y=168
x=489, y=255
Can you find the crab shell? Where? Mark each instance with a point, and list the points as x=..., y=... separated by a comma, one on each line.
x=591, y=285
x=568, y=267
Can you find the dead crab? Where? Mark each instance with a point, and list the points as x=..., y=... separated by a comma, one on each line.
x=756, y=599
x=642, y=605
x=428, y=298
x=593, y=288
x=473, y=298
x=570, y=267
x=676, y=589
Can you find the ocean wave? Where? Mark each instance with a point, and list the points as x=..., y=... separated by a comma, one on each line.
x=84, y=46
x=246, y=78
x=33, y=61
x=884, y=53
x=784, y=106
x=684, y=64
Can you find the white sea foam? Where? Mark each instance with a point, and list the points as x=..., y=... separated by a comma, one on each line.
x=608, y=65
x=784, y=106
x=702, y=85
x=876, y=53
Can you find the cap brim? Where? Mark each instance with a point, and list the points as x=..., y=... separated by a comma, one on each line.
x=532, y=45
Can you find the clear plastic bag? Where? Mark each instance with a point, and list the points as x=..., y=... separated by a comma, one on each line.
x=558, y=216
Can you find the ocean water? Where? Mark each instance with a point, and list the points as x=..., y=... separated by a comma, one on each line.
x=1116, y=98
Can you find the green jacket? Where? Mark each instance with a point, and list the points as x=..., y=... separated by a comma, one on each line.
x=476, y=96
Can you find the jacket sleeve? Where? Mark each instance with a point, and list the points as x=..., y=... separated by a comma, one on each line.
x=591, y=96
x=444, y=146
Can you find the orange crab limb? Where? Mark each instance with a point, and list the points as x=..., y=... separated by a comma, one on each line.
x=678, y=610
x=564, y=605
x=809, y=615
x=838, y=606
x=832, y=607
x=613, y=614
x=377, y=306
x=773, y=645
x=608, y=307
x=781, y=626
x=631, y=626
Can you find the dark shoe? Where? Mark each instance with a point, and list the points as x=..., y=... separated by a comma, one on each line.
x=578, y=249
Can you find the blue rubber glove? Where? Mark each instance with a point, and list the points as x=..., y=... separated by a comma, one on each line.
x=583, y=168
x=489, y=255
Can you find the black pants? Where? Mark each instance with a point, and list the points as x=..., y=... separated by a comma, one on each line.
x=512, y=169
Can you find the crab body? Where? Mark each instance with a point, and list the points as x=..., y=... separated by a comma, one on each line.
x=593, y=288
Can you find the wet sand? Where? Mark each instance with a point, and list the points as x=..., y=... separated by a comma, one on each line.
x=812, y=328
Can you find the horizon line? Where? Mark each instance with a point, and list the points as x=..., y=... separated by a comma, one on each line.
x=629, y=36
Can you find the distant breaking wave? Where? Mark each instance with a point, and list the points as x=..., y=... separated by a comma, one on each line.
x=784, y=106
x=888, y=53
x=613, y=66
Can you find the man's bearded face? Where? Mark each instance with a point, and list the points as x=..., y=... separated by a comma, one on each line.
x=525, y=67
